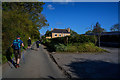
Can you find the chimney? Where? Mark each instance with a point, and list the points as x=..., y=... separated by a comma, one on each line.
x=51, y=29
x=68, y=29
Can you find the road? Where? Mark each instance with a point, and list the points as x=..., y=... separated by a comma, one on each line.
x=34, y=64
x=96, y=66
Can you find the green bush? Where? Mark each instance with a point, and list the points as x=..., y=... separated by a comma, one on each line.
x=77, y=47
x=89, y=47
x=60, y=48
x=78, y=43
x=73, y=39
x=71, y=49
x=64, y=48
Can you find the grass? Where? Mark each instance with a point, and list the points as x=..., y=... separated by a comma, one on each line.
x=78, y=47
x=0, y=58
x=0, y=50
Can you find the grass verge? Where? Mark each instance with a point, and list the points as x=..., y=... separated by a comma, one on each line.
x=78, y=47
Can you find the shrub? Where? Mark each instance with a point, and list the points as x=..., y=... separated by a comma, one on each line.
x=71, y=48
x=64, y=48
x=81, y=39
x=78, y=43
x=89, y=47
x=77, y=47
x=60, y=47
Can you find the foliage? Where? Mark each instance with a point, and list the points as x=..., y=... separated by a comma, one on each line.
x=88, y=32
x=23, y=19
x=115, y=27
x=60, y=47
x=96, y=31
x=81, y=39
x=73, y=33
x=78, y=47
x=48, y=33
x=97, y=28
x=60, y=44
x=89, y=47
x=34, y=9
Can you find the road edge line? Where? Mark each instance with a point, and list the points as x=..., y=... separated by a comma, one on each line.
x=61, y=68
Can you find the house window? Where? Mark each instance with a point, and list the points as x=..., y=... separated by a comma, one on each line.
x=55, y=34
x=59, y=34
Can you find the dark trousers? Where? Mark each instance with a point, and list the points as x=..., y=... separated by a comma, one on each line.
x=17, y=54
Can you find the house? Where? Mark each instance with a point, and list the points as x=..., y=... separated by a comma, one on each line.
x=59, y=33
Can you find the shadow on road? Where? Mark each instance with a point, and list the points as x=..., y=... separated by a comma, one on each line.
x=8, y=56
x=49, y=49
x=51, y=78
x=94, y=69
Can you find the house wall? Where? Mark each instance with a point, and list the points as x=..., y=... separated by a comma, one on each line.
x=62, y=34
x=48, y=37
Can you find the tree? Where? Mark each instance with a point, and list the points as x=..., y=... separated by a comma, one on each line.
x=73, y=33
x=34, y=9
x=98, y=30
x=88, y=32
x=115, y=27
x=48, y=33
x=23, y=19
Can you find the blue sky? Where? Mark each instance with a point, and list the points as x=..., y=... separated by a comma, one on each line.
x=80, y=15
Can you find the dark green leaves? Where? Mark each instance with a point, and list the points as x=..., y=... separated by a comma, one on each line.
x=23, y=19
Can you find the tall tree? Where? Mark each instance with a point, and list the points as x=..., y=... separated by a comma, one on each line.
x=90, y=31
x=98, y=30
x=34, y=9
x=21, y=18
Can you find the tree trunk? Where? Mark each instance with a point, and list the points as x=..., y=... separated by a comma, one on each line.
x=95, y=39
x=99, y=38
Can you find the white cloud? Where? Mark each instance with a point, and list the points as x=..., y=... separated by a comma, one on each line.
x=50, y=7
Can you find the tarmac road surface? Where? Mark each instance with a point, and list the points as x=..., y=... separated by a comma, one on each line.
x=34, y=64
